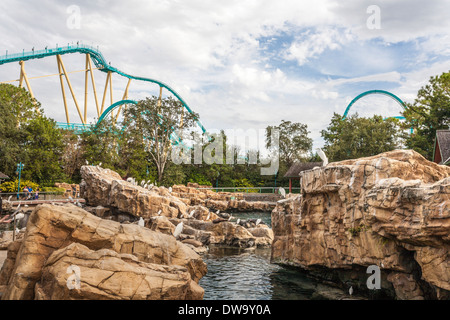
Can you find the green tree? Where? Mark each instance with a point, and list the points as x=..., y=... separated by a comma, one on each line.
x=429, y=112
x=357, y=137
x=44, y=147
x=159, y=123
x=294, y=143
x=17, y=108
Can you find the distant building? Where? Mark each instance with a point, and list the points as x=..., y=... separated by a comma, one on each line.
x=3, y=177
x=442, y=147
x=294, y=172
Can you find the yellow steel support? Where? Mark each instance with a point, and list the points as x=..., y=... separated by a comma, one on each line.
x=111, y=94
x=23, y=76
x=160, y=97
x=125, y=97
x=70, y=87
x=63, y=91
x=86, y=80
x=93, y=84
x=104, y=93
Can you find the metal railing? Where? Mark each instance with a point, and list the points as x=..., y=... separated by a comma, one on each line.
x=23, y=196
x=267, y=190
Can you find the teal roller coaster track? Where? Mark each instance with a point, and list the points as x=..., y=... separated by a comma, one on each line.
x=101, y=64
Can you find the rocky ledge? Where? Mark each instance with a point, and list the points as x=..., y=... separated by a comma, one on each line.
x=68, y=253
x=391, y=210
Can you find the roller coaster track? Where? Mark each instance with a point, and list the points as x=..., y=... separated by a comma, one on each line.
x=382, y=92
x=101, y=64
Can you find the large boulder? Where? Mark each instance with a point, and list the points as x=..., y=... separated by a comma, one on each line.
x=391, y=210
x=106, y=274
x=51, y=228
x=106, y=188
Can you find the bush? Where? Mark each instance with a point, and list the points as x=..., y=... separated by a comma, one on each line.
x=11, y=186
x=58, y=191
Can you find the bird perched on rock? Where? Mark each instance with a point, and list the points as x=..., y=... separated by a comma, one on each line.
x=141, y=222
x=159, y=212
x=209, y=216
x=322, y=156
x=282, y=192
x=191, y=215
x=178, y=230
x=258, y=221
x=170, y=189
x=238, y=221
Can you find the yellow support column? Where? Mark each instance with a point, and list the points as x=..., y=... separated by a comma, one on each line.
x=125, y=97
x=86, y=80
x=23, y=76
x=63, y=91
x=106, y=90
x=70, y=87
x=93, y=84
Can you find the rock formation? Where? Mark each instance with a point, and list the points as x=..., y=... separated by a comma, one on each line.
x=60, y=236
x=223, y=201
x=106, y=188
x=391, y=210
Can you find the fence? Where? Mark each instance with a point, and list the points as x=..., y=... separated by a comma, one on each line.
x=23, y=196
x=250, y=189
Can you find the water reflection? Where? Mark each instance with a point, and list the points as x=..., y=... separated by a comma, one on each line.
x=242, y=274
x=236, y=274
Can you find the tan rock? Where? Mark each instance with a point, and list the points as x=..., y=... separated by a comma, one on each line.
x=367, y=212
x=51, y=228
x=106, y=274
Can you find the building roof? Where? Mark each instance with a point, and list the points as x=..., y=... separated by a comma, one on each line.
x=296, y=168
x=443, y=140
x=3, y=176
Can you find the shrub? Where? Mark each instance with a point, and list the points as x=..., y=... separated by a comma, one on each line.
x=11, y=186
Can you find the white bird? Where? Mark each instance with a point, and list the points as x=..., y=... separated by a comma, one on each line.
x=192, y=214
x=170, y=189
x=87, y=162
x=142, y=183
x=218, y=211
x=19, y=216
x=322, y=156
x=282, y=192
x=145, y=186
x=231, y=217
x=238, y=221
x=159, y=212
x=350, y=290
x=209, y=216
x=141, y=222
x=100, y=164
x=178, y=230
x=26, y=206
x=258, y=221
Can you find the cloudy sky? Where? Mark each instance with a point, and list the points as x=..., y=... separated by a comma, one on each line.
x=239, y=64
